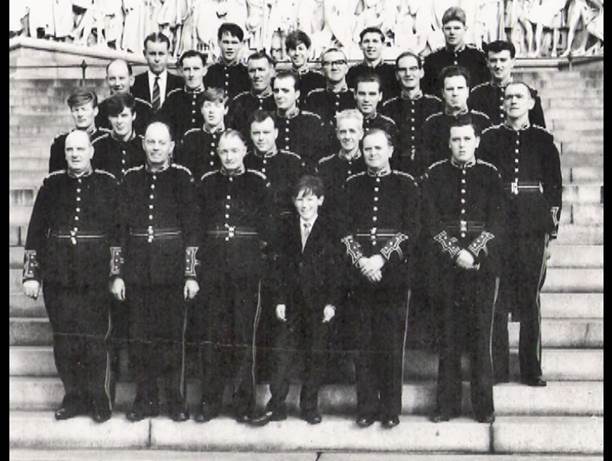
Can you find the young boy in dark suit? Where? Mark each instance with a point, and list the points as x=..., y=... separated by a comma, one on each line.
x=306, y=298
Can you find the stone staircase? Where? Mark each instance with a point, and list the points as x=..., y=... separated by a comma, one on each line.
x=564, y=419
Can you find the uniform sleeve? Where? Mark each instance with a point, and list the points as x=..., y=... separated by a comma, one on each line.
x=37, y=232
x=352, y=248
x=265, y=218
x=552, y=184
x=482, y=71
x=536, y=115
x=427, y=82
x=189, y=222
x=113, y=229
x=57, y=157
x=425, y=149
x=120, y=234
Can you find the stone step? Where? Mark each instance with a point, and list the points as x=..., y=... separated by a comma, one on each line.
x=25, y=149
x=21, y=197
x=17, y=235
x=583, y=193
x=51, y=108
x=541, y=434
x=576, y=125
x=15, y=84
x=587, y=214
x=29, y=164
x=591, y=148
x=26, y=180
x=552, y=92
x=582, y=175
x=571, y=102
x=167, y=455
x=41, y=120
x=578, y=86
x=45, y=131
x=575, y=234
x=572, y=159
x=562, y=280
x=567, y=113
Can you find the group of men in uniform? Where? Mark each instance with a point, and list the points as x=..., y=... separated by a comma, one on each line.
x=176, y=211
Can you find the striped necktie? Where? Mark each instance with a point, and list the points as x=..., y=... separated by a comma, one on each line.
x=155, y=99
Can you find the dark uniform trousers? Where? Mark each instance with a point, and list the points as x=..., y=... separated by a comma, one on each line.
x=381, y=217
x=67, y=248
x=530, y=167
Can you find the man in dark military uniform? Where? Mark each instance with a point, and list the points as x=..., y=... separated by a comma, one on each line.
x=367, y=98
x=529, y=164
x=119, y=78
x=488, y=97
x=67, y=248
x=154, y=85
x=198, y=148
x=121, y=149
x=381, y=222
x=234, y=205
x=261, y=70
x=181, y=111
x=297, y=44
x=281, y=167
x=336, y=96
x=463, y=219
x=229, y=73
x=372, y=43
x=409, y=110
x=299, y=130
x=454, y=53
x=159, y=244
x=435, y=129
x=83, y=108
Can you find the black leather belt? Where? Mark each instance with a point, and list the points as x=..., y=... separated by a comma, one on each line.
x=375, y=232
x=231, y=232
x=464, y=226
x=75, y=236
x=152, y=233
x=522, y=187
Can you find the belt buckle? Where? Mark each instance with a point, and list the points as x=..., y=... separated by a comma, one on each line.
x=150, y=234
x=462, y=226
x=373, y=235
x=231, y=231
x=541, y=188
x=514, y=187
x=73, y=237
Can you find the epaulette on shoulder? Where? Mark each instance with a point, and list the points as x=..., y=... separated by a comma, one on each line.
x=288, y=152
x=480, y=85
x=315, y=90
x=99, y=138
x=437, y=114
x=104, y=130
x=403, y=173
x=107, y=173
x=172, y=91
x=139, y=136
x=491, y=128
x=326, y=158
x=190, y=130
x=431, y=96
x=390, y=100
x=472, y=46
x=63, y=133
x=142, y=101
x=482, y=162
x=436, y=164
x=258, y=173
x=207, y=174
x=388, y=119
x=181, y=167
x=133, y=169
x=312, y=114
x=541, y=128
x=480, y=113
x=239, y=95
x=356, y=175
x=55, y=173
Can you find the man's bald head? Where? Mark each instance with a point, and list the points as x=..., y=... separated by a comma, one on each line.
x=78, y=151
x=119, y=76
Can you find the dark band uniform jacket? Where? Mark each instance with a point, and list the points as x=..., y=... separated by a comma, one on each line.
x=309, y=80
x=141, y=89
x=143, y=111
x=182, y=110
x=469, y=57
x=117, y=156
x=304, y=133
x=243, y=105
x=234, y=79
x=489, y=98
x=389, y=85
x=409, y=115
x=327, y=104
x=334, y=170
x=57, y=153
x=198, y=151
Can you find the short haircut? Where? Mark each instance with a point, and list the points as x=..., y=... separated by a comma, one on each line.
x=368, y=76
x=191, y=54
x=230, y=28
x=372, y=131
x=156, y=37
x=409, y=53
x=454, y=71
x=117, y=102
x=287, y=73
x=333, y=50
x=162, y=121
x=498, y=46
x=213, y=94
x=308, y=184
x=296, y=37
x=348, y=114
x=464, y=120
x=231, y=133
x=82, y=96
x=531, y=91
x=454, y=13
x=127, y=64
x=371, y=30
x=261, y=55
x=261, y=115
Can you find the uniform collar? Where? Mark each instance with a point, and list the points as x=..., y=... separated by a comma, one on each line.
x=270, y=154
x=200, y=89
x=461, y=112
x=343, y=87
x=264, y=94
x=290, y=113
x=461, y=166
x=372, y=65
x=415, y=96
x=160, y=170
x=83, y=174
x=220, y=129
x=226, y=64
x=233, y=173
x=302, y=70
x=380, y=173
x=349, y=157
x=90, y=130
x=494, y=84
x=458, y=50
x=525, y=126
x=132, y=136
x=371, y=116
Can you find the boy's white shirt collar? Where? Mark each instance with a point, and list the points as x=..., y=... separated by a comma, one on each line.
x=311, y=222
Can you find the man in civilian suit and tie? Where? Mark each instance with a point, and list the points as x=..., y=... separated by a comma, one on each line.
x=154, y=84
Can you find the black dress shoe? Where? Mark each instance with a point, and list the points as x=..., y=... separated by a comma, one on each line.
x=205, y=413
x=140, y=412
x=100, y=415
x=242, y=418
x=390, y=422
x=534, y=382
x=67, y=412
x=486, y=418
x=267, y=416
x=179, y=415
x=312, y=417
x=439, y=417
x=365, y=421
